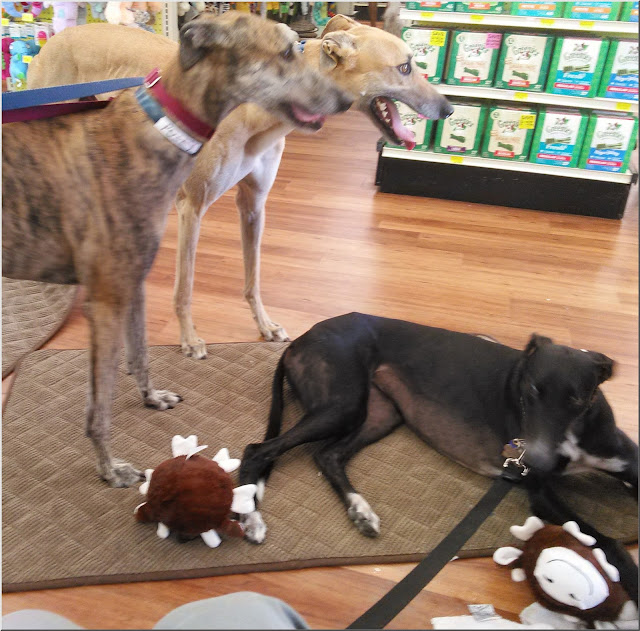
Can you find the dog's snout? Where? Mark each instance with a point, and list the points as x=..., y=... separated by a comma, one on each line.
x=446, y=110
x=540, y=458
x=344, y=103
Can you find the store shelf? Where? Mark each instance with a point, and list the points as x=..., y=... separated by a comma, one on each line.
x=544, y=98
x=506, y=165
x=520, y=21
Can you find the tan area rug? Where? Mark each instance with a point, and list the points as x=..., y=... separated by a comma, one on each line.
x=31, y=313
x=62, y=526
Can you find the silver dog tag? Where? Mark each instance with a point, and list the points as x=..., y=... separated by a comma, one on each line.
x=176, y=136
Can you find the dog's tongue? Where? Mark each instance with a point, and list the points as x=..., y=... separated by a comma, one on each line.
x=306, y=117
x=404, y=134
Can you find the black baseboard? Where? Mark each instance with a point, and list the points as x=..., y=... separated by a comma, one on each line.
x=534, y=191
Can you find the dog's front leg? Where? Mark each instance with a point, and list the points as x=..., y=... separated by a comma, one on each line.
x=250, y=200
x=138, y=356
x=106, y=319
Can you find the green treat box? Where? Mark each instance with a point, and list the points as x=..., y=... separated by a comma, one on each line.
x=420, y=126
x=482, y=7
x=629, y=12
x=558, y=137
x=609, y=141
x=509, y=133
x=431, y=6
x=538, y=9
x=592, y=10
x=473, y=56
x=524, y=62
x=620, y=75
x=461, y=132
x=576, y=66
x=429, y=47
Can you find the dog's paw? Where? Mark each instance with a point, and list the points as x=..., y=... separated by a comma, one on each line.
x=121, y=474
x=196, y=349
x=255, y=530
x=162, y=399
x=273, y=332
x=360, y=513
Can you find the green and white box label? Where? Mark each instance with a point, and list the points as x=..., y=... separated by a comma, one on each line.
x=429, y=49
x=460, y=133
x=558, y=137
x=524, y=62
x=609, y=142
x=576, y=66
x=473, y=58
x=508, y=134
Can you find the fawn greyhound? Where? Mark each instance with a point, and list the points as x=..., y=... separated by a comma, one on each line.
x=106, y=181
x=371, y=65
x=359, y=376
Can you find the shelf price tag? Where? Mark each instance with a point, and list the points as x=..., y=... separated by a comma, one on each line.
x=5, y=21
x=27, y=59
x=528, y=121
x=426, y=15
x=623, y=107
x=477, y=18
x=520, y=96
x=437, y=38
x=547, y=22
x=457, y=159
x=27, y=17
x=587, y=24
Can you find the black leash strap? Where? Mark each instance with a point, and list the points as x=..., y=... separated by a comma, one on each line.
x=391, y=604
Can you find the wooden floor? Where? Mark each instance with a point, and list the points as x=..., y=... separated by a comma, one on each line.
x=333, y=245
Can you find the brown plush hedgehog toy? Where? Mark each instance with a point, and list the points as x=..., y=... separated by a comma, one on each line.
x=565, y=573
x=193, y=496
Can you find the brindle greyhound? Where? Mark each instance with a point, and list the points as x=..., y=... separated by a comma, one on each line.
x=373, y=66
x=359, y=376
x=106, y=181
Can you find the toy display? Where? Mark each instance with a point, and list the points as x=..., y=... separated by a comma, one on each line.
x=566, y=574
x=194, y=496
x=19, y=49
x=18, y=9
x=64, y=14
x=6, y=57
x=134, y=14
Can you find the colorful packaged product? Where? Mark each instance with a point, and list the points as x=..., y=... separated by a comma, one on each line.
x=620, y=75
x=577, y=66
x=629, y=12
x=421, y=127
x=472, y=58
x=481, y=7
x=431, y=6
x=429, y=49
x=592, y=10
x=461, y=132
x=509, y=132
x=609, y=141
x=558, y=136
x=524, y=62
x=538, y=9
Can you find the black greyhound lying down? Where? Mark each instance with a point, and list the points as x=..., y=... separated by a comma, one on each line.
x=359, y=376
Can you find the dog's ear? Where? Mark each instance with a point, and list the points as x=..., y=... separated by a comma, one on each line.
x=199, y=36
x=604, y=365
x=535, y=342
x=338, y=48
x=339, y=23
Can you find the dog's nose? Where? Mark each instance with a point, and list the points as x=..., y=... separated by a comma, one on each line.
x=446, y=110
x=344, y=103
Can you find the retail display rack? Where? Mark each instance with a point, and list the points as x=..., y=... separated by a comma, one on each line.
x=501, y=182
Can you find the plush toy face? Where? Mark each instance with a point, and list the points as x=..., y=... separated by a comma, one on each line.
x=569, y=578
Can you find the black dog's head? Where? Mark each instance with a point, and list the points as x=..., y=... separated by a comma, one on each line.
x=558, y=385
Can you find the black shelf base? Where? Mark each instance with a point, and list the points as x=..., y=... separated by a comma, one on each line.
x=534, y=191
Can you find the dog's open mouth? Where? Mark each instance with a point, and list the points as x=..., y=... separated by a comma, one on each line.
x=386, y=115
x=302, y=117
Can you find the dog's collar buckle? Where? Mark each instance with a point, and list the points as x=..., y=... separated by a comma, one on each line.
x=513, y=453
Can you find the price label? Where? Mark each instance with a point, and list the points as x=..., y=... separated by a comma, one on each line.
x=587, y=24
x=426, y=15
x=623, y=107
x=528, y=121
x=457, y=159
x=477, y=18
x=438, y=38
x=5, y=21
x=520, y=96
x=547, y=22
x=27, y=59
x=27, y=17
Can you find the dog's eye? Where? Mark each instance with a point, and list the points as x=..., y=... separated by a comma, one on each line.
x=404, y=68
x=287, y=54
x=534, y=390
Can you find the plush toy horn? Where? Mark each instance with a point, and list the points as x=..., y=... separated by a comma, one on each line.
x=224, y=462
x=530, y=527
x=243, y=499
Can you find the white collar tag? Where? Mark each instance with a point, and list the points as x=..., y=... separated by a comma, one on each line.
x=175, y=135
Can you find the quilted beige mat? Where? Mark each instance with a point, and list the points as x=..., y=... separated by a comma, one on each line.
x=62, y=526
x=31, y=313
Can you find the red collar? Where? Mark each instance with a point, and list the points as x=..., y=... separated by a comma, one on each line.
x=175, y=108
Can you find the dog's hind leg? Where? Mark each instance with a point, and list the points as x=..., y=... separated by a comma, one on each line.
x=382, y=418
x=250, y=200
x=106, y=313
x=546, y=505
x=138, y=356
